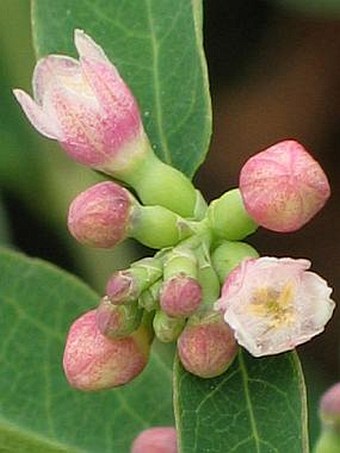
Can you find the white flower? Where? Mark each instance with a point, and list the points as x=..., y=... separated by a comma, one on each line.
x=275, y=304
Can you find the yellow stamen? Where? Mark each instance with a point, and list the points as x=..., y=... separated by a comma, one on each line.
x=275, y=306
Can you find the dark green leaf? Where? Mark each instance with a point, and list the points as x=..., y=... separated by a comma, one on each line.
x=39, y=412
x=257, y=406
x=157, y=46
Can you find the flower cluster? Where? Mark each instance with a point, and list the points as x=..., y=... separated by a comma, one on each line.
x=267, y=305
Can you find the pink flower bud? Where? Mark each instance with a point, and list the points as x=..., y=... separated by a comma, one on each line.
x=87, y=107
x=93, y=362
x=100, y=216
x=160, y=439
x=122, y=288
x=116, y=321
x=283, y=187
x=127, y=285
x=275, y=304
x=207, y=348
x=330, y=406
x=180, y=296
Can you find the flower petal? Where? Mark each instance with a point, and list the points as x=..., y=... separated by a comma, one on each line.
x=39, y=119
x=87, y=48
x=54, y=69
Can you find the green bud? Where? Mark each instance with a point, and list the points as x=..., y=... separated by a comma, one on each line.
x=149, y=299
x=158, y=227
x=167, y=328
x=228, y=255
x=228, y=218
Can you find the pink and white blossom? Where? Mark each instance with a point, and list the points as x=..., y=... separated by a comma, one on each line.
x=87, y=107
x=283, y=187
x=275, y=304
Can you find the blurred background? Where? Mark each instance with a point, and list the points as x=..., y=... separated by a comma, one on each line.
x=274, y=70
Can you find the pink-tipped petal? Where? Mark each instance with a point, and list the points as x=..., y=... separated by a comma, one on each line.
x=114, y=97
x=86, y=47
x=42, y=122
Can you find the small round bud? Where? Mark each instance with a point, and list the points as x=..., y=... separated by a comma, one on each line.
x=329, y=412
x=283, y=187
x=93, y=362
x=99, y=216
x=330, y=407
x=207, y=347
x=127, y=285
x=121, y=288
x=160, y=439
x=116, y=321
x=180, y=296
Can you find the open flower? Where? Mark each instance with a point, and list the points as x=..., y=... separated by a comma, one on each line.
x=275, y=304
x=87, y=107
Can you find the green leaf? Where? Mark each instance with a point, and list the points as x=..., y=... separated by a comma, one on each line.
x=257, y=406
x=157, y=47
x=39, y=412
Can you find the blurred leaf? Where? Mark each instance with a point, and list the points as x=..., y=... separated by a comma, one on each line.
x=157, y=46
x=5, y=236
x=258, y=405
x=20, y=170
x=39, y=411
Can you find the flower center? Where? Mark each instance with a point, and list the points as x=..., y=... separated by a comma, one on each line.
x=276, y=306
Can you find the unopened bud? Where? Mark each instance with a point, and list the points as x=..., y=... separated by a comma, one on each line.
x=116, y=321
x=100, y=216
x=329, y=412
x=283, y=187
x=106, y=214
x=127, y=285
x=228, y=217
x=161, y=439
x=166, y=328
x=230, y=254
x=93, y=362
x=180, y=296
x=181, y=293
x=330, y=407
x=206, y=347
